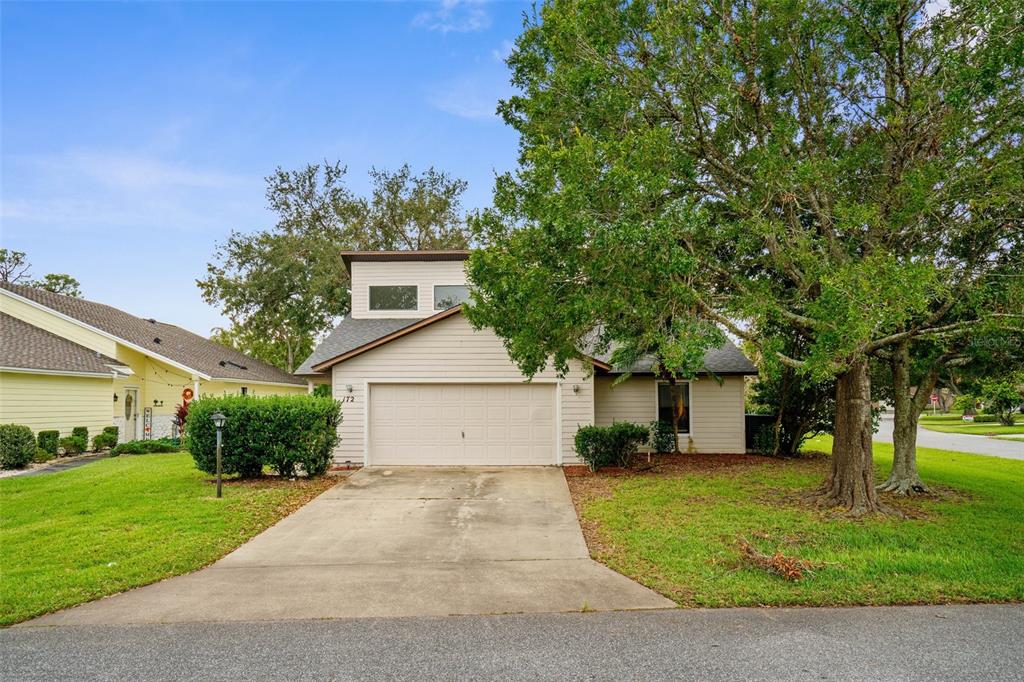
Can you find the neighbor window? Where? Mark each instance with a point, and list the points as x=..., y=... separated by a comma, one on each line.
x=393, y=297
x=665, y=405
x=449, y=295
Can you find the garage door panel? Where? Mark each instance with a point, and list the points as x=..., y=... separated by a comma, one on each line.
x=462, y=424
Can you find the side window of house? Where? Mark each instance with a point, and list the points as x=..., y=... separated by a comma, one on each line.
x=245, y=390
x=665, y=405
x=449, y=295
x=393, y=297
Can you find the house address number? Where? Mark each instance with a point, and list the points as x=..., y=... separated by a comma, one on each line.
x=347, y=399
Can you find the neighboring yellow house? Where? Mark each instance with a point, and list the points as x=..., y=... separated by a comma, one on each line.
x=67, y=362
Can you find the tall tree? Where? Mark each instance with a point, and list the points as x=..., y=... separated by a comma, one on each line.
x=845, y=169
x=282, y=288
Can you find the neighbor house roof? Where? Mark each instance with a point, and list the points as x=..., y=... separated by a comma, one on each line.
x=158, y=339
x=725, y=360
x=26, y=347
x=349, y=257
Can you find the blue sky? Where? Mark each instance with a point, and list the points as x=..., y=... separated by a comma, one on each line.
x=135, y=136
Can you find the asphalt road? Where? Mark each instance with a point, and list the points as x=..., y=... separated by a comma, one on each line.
x=980, y=642
x=958, y=442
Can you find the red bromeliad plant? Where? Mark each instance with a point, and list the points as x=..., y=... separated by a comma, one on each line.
x=180, y=415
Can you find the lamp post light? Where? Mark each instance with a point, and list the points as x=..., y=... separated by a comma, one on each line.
x=218, y=421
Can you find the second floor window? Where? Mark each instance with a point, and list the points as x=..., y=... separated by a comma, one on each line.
x=393, y=297
x=450, y=295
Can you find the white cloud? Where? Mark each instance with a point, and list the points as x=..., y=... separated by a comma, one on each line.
x=502, y=52
x=101, y=189
x=936, y=7
x=474, y=96
x=455, y=16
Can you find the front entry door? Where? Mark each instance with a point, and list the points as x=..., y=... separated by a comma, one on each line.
x=131, y=413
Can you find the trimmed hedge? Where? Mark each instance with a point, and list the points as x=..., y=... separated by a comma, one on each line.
x=615, y=445
x=17, y=446
x=49, y=441
x=104, y=440
x=80, y=432
x=73, y=445
x=286, y=433
x=145, y=447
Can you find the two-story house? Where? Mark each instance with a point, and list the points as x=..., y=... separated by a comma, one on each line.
x=419, y=385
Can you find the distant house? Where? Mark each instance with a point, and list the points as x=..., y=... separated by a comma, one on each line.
x=67, y=362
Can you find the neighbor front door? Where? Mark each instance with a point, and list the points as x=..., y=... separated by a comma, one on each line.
x=131, y=413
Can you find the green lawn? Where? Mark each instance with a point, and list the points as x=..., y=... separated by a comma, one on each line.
x=677, y=531
x=72, y=537
x=955, y=424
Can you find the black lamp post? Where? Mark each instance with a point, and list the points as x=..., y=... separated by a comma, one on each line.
x=218, y=421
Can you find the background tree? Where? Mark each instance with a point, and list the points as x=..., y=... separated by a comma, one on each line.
x=284, y=287
x=846, y=169
x=1003, y=397
x=14, y=267
x=59, y=283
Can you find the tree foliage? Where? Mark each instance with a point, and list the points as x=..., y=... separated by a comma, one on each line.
x=850, y=171
x=283, y=287
x=15, y=268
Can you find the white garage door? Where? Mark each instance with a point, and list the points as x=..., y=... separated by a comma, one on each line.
x=506, y=424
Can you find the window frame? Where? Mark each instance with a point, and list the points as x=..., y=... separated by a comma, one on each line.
x=434, y=305
x=687, y=399
x=369, y=298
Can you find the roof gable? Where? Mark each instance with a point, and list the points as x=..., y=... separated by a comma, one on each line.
x=26, y=347
x=161, y=340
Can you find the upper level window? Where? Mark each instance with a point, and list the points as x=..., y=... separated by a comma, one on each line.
x=449, y=295
x=393, y=297
x=666, y=408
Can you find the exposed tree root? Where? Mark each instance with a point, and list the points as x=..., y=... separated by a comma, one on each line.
x=904, y=485
x=853, y=506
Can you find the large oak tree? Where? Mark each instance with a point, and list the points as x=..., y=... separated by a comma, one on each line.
x=284, y=287
x=844, y=170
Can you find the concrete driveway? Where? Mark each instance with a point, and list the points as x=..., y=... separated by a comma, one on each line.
x=397, y=542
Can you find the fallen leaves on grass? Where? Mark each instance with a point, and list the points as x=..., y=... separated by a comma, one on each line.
x=790, y=568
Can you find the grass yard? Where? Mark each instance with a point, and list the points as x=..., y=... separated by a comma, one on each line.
x=945, y=423
x=123, y=522
x=677, y=530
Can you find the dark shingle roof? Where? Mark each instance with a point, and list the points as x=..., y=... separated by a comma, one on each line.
x=727, y=359
x=349, y=335
x=158, y=338
x=24, y=346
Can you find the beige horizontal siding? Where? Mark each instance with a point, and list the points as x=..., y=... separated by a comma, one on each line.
x=716, y=411
x=43, y=402
x=716, y=415
x=448, y=350
x=423, y=274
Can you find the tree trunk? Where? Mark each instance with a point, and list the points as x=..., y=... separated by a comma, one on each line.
x=677, y=411
x=903, y=478
x=851, y=481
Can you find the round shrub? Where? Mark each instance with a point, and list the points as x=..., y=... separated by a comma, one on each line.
x=17, y=446
x=662, y=437
x=80, y=432
x=49, y=441
x=615, y=445
x=104, y=440
x=73, y=445
x=286, y=433
x=42, y=456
